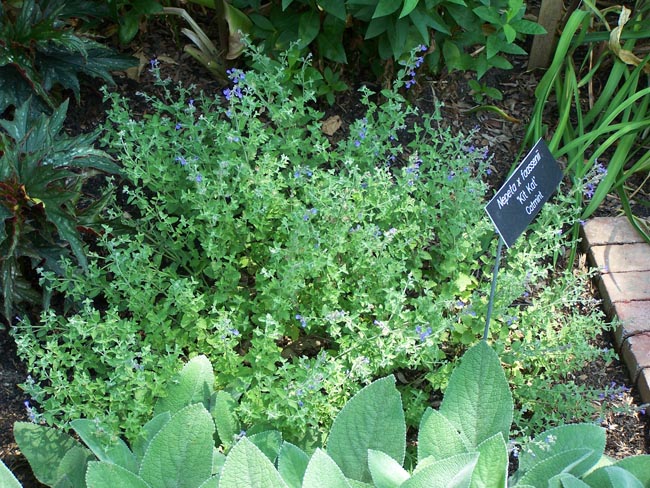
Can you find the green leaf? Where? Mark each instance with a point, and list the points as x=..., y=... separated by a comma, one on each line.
x=330, y=40
x=322, y=472
x=72, y=469
x=567, y=480
x=180, y=454
x=116, y=452
x=292, y=463
x=308, y=27
x=247, y=466
x=565, y=438
x=637, y=465
x=149, y=430
x=386, y=7
x=620, y=477
x=437, y=437
x=194, y=384
x=335, y=8
x=7, y=479
x=492, y=465
x=478, y=401
x=212, y=482
x=510, y=33
x=223, y=413
x=67, y=229
x=563, y=462
x=488, y=14
x=452, y=472
x=409, y=6
x=107, y=475
x=527, y=27
x=44, y=448
x=269, y=442
x=372, y=419
x=385, y=471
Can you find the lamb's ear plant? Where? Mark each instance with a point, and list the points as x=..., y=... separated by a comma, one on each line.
x=463, y=444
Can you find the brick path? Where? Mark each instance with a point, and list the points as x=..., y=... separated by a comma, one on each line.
x=623, y=258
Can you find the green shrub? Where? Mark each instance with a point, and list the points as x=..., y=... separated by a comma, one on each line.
x=461, y=444
x=302, y=268
x=41, y=175
x=40, y=51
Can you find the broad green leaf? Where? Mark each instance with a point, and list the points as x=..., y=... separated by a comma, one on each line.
x=437, y=437
x=292, y=463
x=566, y=480
x=116, y=452
x=239, y=25
x=385, y=471
x=7, y=479
x=565, y=438
x=452, y=472
x=330, y=39
x=491, y=469
x=180, y=455
x=527, y=27
x=149, y=430
x=67, y=229
x=322, y=472
x=510, y=33
x=308, y=27
x=335, y=8
x=637, y=465
x=108, y=475
x=194, y=384
x=44, y=448
x=269, y=442
x=563, y=462
x=72, y=468
x=488, y=14
x=247, y=466
x=211, y=482
x=620, y=477
x=372, y=419
x=386, y=7
x=408, y=7
x=478, y=401
x=223, y=413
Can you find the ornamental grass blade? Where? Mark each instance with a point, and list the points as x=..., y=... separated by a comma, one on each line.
x=478, y=401
x=372, y=419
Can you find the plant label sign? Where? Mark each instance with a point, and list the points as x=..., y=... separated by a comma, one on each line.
x=522, y=196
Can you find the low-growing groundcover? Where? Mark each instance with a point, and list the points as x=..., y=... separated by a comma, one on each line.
x=303, y=268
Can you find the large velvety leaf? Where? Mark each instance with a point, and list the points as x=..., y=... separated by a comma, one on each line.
x=322, y=472
x=438, y=437
x=149, y=431
x=478, y=401
x=385, y=471
x=639, y=466
x=72, y=468
x=292, y=463
x=223, y=413
x=116, y=452
x=107, y=475
x=247, y=466
x=539, y=474
x=453, y=472
x=491, y=469
x=372, y=419
x=7, y=479
x=44, y=448
x=180, y=455
x=194, y=384
x=565, y=438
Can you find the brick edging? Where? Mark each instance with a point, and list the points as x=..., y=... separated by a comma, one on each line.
x=623, y=259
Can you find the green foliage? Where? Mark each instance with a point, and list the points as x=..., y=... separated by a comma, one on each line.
x=613, y=126
x=480, y=91
x=42, y=171
x=304, y=269
x=128, y=14
x=364, y=448
x=40, y=51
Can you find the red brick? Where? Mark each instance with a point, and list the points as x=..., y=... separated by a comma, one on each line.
x=644, y=385
x=619, y=287
x=636, y=353
x=621, y=257
x=609, y=230
x=634, y=318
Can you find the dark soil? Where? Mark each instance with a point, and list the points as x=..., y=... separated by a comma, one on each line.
x=627, y=434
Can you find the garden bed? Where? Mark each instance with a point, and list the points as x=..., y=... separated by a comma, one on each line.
x=627, y=433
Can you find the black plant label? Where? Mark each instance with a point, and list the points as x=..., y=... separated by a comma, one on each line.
x=522, y=196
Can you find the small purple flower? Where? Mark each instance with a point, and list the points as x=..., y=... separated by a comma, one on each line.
x=153, y=62
x=451, y=176
x=302, y=320
x=181, y=160
x=423, y=333
x=589, y=190
x=199, y=178
x=357, y=143
x=488, y=171
x=179, y=126
x=190, y=102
